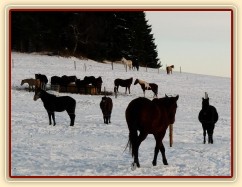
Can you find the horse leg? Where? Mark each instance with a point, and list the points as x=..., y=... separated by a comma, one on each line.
x=159, y=146
x=210, y=136
x=204, y=134
x=141, y=138
x=125, y=90
x=129, y=89
x=49, y=114
x=72, y=117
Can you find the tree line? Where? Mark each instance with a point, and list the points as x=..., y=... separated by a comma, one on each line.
x=98, y=35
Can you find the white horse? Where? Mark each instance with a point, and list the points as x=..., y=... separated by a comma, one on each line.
x=128, y=63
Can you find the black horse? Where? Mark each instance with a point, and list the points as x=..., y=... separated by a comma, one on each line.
x=106, y=106
x=208, y=116
x=149, y=117
x=43, y=80
x=58, y=104
x=124, y=83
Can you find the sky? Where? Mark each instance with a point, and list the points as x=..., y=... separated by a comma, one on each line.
x=197, y=41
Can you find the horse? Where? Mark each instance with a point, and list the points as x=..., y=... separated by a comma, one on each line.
x=55, y=80
x=208, y=116
x=81, y=84
x=128, y=63
x=97, y=83
x=106, y=106
x=169, y=69
x=123, y=83
x=58, y=104
x=149, y=117
x=147, y=86
x=43, y=80
x=32, y=83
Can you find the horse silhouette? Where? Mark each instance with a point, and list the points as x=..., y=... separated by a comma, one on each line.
x=208, y=116
x=58, y=104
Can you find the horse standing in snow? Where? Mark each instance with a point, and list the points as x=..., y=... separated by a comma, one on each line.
x=58, y=104
x=147, y=86
x=149, y=117
x=208, y=116
x=123, y=83
x=128, y=63
x=169, y=69
x=106, y=106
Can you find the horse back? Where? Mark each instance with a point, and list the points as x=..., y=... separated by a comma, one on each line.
x=142, y=114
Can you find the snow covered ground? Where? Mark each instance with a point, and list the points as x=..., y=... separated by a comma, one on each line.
x=92, y=148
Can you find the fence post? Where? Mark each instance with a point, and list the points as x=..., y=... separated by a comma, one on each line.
x=75, y=65
x=112, y=65
x=85, y=67
x=180, y=69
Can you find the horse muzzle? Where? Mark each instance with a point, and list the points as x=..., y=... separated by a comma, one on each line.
x=36, y=97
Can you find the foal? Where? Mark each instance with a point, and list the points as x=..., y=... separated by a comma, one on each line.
x=32, y=83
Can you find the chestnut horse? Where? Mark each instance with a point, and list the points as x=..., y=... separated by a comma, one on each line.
x=149, y=117
x=169, y=69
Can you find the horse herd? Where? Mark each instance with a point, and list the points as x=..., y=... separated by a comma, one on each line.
x=142, y=114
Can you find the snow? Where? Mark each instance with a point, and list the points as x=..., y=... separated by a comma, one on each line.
x=92, y=148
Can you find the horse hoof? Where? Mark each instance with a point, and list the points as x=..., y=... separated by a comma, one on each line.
x=133, y=166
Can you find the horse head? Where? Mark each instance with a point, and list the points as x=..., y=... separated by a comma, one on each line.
x=205, y=103
x=136, y=81
x=38, y=93
x=170, y=105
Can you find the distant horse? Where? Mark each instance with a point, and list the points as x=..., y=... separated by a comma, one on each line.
x=55, y=80
x=32, y=83
x=123, y=83
x=58, y=104
x=169, y=69
x=106, y=106
x=89, y=79
x=147, y=86
x=81, y=84
x=208, y=116
x=97, y=83
x=128, y=63
x=43, y=80
x=149, y=117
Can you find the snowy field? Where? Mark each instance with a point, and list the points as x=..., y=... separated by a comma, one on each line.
x=92, y=148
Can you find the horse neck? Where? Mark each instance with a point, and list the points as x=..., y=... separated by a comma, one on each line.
x=46, y=96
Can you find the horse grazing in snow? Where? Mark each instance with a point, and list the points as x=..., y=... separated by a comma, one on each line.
x=33, y=83
x=58, y=104
x=147, y=86
x=208, y=116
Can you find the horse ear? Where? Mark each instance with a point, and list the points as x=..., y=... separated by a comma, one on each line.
x=177, y=97
x=166, y=95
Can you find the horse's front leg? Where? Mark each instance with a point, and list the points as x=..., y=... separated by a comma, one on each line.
x=162, y=150
x=53, y=117
x=49, y=114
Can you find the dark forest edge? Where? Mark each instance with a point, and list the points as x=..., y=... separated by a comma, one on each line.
x=96, y=35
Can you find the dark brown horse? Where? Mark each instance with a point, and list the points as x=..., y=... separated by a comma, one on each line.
x=147, y=86
x=169, y=69
x=124, y=83
x=149, y=117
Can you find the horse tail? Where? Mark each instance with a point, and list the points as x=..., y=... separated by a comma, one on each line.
x=133, y=136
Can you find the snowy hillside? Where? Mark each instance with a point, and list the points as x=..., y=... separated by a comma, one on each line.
x=92, y=148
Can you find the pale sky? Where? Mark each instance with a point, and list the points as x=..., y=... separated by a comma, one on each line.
x=198, y=41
